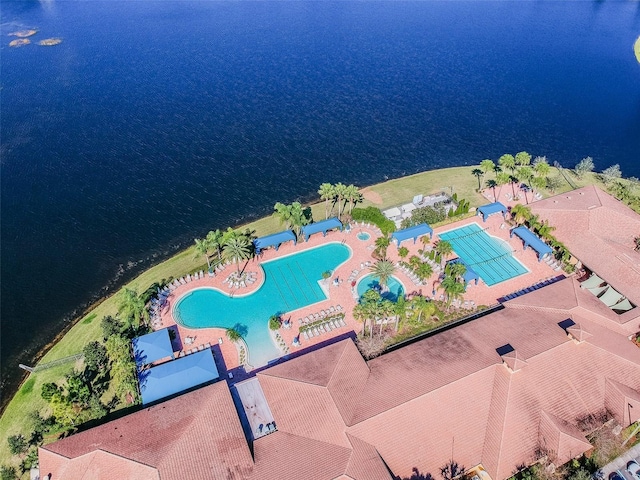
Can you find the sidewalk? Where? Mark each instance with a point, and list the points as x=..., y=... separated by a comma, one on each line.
x=620, y=463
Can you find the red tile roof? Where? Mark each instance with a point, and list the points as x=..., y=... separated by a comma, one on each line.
x=451, y=394
x=170, y=438
x=599, y=230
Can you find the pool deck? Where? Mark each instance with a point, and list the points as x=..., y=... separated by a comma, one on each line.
x=342, y=294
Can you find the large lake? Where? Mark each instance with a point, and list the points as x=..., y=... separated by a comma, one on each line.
x=156, y=121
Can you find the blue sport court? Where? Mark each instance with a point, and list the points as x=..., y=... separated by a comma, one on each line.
x=490, y=257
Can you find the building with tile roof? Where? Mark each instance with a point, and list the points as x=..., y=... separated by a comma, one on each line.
x=599, y=231
x=496, y=391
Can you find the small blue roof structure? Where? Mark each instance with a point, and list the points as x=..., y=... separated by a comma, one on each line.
x=177, y=376
x=321, y=226
x=470, y=275
x=490, y=209
x=274, y=240
x=412, y=232
x=532, y=240
x=151, y=347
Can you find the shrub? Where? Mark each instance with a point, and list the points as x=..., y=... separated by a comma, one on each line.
x=403, y=252
x=17, y=444
x=49, y=390
x=95, y=356
x=274, y=322
x=429, y=215
x=375, y=216
x=111, y=326
x=584, y=166
x=8, y=473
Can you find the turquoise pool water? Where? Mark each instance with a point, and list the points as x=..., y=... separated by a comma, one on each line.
x=364, y=236
x=291, y=282
x=395, y=288
x=490, y=257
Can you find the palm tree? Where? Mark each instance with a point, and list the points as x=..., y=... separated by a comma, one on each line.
x=541, y=166
x=353, y=195
x=202, y=248
x=456, y=270
x=452, y=289
x=479, y=174
x=214, y=241
x=513, y=179
x=538, y=183
x=382, y=243
x=326, y=192
x=544, y=230
x=383, y=269
x=133, y=307
x=400, y=311
x=492, y=184
x=502, y=179
x=422, y=306
x=298, y=216
x=340, y=191
x=424, y=271
x=443, y=248
x=233, y=335
x=283, y=213
x=522, y=158
x=487, y=166
x=236, y=250
x=520, y=213
x=526, y=173
x=507, y=161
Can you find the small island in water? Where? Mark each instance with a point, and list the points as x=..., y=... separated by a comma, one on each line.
x=23, y=33
x=49, y=42
x=636, y=49
x=19, y=42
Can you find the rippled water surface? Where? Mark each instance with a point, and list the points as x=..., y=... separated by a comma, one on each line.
x=155, y=121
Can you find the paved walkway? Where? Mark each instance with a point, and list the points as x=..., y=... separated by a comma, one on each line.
x=620, y=463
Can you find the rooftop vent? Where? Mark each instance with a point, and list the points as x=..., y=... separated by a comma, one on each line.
x=510, y=358
x=581, y=193
x=555, y=201
x=568, y=197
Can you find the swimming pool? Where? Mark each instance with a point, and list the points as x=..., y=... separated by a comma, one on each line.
x=489, y=256
x=395, y=287
x=291, y=282
x=364, y=236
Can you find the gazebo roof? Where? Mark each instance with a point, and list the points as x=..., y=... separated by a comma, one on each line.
x=321, y=226
x=177, y=376
x=151, y=347
x=411, y=232
x=470, y=274
x=274, y=239
x=492, y=208
x=532, y=240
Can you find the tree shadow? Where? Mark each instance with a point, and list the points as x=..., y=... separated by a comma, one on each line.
x=417, y=475
x=243, y=330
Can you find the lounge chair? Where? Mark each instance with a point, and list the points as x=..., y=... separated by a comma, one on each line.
x=342, y=322
x=332, y=309
x=305, y=335
x=339, y=308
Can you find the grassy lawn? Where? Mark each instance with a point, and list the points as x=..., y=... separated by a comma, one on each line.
x=393, y=192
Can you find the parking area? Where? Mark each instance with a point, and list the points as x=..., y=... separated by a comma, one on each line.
x=619, y=465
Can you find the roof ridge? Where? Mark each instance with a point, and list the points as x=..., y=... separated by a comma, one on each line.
x=335, y=366
x=504, y=419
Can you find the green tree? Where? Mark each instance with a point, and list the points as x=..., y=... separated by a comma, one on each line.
x=215, y=241
x=487, y=166
x=132, y=307
x=526, y=174
x=49, y=390
x=492, y=184
x=326, y=192
x=237, y=250
x=8, y=473
x=202, y=248
x=299, y=216
x=522, y=159
x=541, y=167
x=274, y=322
x=553, y=183
x=507, y=162
x=452, y=289
x=513, y=180
x=502, y=179
x=456, y=270
x=382, y=243
x=403, y=252
x=353, y=195
x=424, y=271
x=443, y=249
x=538, y=183
x=584, y=166
x=110, y=326
x=17, y=444
x=341, y=192
x=478, y=173
x=383, y=269
x=520, y=213
x=123, y=367
x=609, y=174
x=78, y=390
x=283, y=213
x=233, y=335
x=421, y=307
x=95, y=356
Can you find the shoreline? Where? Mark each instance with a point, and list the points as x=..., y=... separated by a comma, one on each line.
x=392, y=192
x=114, y=286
